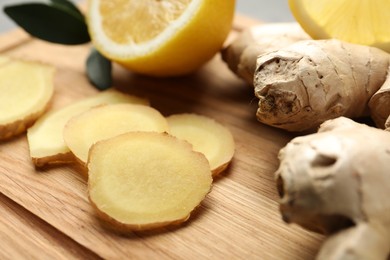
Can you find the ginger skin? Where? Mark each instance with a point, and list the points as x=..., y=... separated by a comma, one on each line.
x=242, y=53
x=387, y=124
x=380, y=104
x=322, y=191
x=308, y=82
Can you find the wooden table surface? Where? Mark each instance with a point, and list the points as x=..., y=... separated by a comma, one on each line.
x=45, y=213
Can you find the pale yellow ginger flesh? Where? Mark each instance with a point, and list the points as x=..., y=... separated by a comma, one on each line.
x=207, y=136
x=104, y=122
x=45, y=137
x=146, y=180
x=336, y=182
x=26, y=90
x=4, y=60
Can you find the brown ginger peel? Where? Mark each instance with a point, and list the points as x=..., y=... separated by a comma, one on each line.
x=330, y=183
x=387, y=124
x=380, y=104
x=301, y=83
x=306, y=83
x=242, y=53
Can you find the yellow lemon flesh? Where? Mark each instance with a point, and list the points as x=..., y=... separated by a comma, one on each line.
x=363, y=22
x=160, y=37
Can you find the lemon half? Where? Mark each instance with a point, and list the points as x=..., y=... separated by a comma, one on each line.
x=160, y=37
x=363, y=22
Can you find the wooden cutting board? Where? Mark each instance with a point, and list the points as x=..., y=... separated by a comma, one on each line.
x=45, y=213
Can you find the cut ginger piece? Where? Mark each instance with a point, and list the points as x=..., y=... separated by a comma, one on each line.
x=104, y=122
x=4, y=60
x=146, y=180
x=207, y=136
x=45, y=137
x=26, y=90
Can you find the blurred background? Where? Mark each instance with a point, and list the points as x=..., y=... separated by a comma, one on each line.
x=264, y=10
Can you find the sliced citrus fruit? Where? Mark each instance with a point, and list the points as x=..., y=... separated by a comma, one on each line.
x=160, y=38
x=360, y=22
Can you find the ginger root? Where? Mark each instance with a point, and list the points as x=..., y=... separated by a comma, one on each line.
x=332, y=183
x=45, y=137
x=387, y=124
x=146, y=180
x=380, y=104
x=103, y=122
x=26, y=89
x=207, y=136
x=310, y=81
x=242, y=53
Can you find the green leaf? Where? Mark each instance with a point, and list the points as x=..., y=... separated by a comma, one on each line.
x=69, y=7
x=52, y=23
x=99, y=70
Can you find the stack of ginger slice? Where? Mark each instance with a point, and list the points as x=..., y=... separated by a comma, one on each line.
x=144, y=170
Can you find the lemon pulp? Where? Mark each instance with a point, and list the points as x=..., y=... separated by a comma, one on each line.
x=361, y=22
x=119, y=14
x=160, y=37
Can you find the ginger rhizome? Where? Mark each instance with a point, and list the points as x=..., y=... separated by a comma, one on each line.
x=146, y=180
x=387, y=124
x=303, y=84
x=104, y=122
x=380, y=104
x=45, y=137
x=306, y=83
x=330, y=182
x=144, y=170
x=242, y=53
x=26, y=89
x=207, y=136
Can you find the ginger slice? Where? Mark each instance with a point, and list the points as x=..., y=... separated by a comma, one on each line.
x=26, y=89
x=207, y=136
x=4, y=60
x=45, y=137
x=104, y=122
x=146, y=180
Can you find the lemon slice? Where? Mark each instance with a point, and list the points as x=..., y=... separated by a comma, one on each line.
x=361, y=22
x=160, y=38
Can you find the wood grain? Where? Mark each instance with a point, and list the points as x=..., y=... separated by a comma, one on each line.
x=19, y=229
x=48, y=210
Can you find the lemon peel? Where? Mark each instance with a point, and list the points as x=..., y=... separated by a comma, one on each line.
x=191, y=34
x=359, y=22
